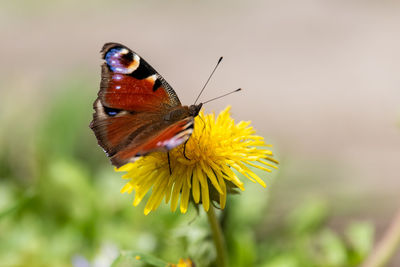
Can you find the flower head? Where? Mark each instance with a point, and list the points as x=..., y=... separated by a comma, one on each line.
x=205, y=172
x=183, y=263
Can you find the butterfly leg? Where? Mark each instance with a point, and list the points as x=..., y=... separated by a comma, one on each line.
x=184, y=150
x=169, y=164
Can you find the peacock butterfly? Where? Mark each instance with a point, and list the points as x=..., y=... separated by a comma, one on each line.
x=137, y=111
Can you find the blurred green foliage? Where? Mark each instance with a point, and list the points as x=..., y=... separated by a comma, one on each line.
x=60, y=206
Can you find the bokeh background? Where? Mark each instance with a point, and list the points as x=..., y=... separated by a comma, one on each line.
x=321, y=82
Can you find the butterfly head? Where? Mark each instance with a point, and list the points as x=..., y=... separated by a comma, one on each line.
x=195, y=109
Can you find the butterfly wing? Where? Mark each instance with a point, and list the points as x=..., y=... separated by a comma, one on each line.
x=132, y=107
x=129, y=82
x=163, y=140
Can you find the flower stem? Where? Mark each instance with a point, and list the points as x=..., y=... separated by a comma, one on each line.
x=387, y=246
x=218, y=237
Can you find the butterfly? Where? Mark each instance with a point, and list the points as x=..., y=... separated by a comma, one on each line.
x=137, y=111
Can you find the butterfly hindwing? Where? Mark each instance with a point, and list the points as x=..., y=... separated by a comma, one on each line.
x=163, y=140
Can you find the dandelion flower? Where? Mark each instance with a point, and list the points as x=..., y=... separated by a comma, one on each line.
x=216, y=149
x=183, y=263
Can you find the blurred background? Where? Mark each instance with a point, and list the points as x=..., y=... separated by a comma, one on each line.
x=321, y=83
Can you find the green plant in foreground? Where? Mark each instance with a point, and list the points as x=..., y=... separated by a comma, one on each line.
x=61, y=210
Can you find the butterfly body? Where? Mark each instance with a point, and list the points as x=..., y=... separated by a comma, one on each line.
x=137, y=111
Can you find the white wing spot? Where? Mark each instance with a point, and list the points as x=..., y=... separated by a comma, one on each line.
x=124, y=51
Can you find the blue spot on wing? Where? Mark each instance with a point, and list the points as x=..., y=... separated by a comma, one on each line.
x=111, y=111
x=118, y=61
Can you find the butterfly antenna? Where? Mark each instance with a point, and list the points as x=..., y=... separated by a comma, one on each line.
x=218, y=97
x=219, y=61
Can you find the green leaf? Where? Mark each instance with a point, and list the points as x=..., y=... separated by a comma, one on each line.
x=360, y=236
x=22, y=201
x=132, y=258
x=308, y=217
x=243, y=249
x=333, y=249
x=283, y=260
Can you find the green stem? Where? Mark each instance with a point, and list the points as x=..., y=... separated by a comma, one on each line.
x=217, y=237
x=386, y=247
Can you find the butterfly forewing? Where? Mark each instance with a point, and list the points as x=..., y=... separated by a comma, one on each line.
x=129, y=82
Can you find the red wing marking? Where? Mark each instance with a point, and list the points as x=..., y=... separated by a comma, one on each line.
x=167, y=139
x=127, y=93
